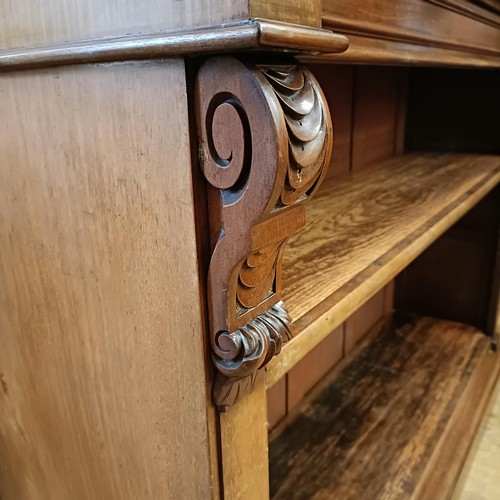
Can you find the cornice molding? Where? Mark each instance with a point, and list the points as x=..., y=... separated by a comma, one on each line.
x=254, y=34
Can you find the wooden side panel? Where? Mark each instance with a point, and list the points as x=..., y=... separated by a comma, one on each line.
x=102, y=344
x=24, y=23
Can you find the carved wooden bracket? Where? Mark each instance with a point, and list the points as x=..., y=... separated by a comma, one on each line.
x=265, y=139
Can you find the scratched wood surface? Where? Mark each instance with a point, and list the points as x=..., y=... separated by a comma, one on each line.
x=373, y=430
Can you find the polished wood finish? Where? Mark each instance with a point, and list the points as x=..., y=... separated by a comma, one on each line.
x=28, y=24
x=469, y=9
x=252, y=34
x=304, y=12
x=102, y=351
x=392, y=417
x=368, y=50
x=423, y=32
x=263, y=122
x=55, y=22
x=408, y=21
x=398, y=209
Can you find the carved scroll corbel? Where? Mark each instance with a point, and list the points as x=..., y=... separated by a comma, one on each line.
x=265, y=139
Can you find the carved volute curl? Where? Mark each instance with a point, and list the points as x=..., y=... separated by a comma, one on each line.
x=265, y=139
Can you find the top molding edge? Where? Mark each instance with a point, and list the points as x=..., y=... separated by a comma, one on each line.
x=253, y=34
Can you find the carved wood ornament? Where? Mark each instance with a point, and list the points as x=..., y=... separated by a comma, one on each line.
x=265, y=139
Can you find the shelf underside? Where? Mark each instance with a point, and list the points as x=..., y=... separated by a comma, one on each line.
x=393, y=422
x=363, y=229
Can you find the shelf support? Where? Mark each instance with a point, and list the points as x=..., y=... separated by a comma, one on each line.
x=265, y=140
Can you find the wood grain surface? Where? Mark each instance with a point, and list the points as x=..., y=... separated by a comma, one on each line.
x=244, y=460
x=337, y=83
x=375, y=110
x=27, y=24
x=415, y=21
x=467, y=8
x=304, y=12
x=364, y=229
x=372, y=433
x=102, y=343
x=363, y=49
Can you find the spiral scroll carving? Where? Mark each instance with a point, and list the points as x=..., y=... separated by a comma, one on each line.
x=264, y=142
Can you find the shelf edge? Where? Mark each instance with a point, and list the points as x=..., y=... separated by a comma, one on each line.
x=319, y=322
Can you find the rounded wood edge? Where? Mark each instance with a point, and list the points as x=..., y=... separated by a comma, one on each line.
x=394, y=33
x=248, y=35
x=313, y=40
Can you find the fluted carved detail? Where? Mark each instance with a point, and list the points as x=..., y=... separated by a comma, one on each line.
x=264, y=142
x=303, y=108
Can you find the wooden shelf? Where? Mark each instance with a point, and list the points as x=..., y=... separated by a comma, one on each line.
x=363, y=229
x=394, y=421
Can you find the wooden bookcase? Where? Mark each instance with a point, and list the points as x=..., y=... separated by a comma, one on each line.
x=248, y=249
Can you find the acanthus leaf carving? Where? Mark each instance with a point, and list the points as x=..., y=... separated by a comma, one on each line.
x=265, y=141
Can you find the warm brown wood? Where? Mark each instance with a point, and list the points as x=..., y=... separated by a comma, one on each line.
x=276, y=402
x=27, y=24
x=251, y=34
x=24, y=23
x=376, y=431
x=363, y=49
x=244, y=459
x=310, y=369
x=265, y=139
x=454, y=278
x=377, y=96
x=374, y=115
x=363, y=319
x=363, y=230
x=305, y=12
x=491, y=5
x=467, y=8
x=337, y=83
x=443, y=470
x=102, y=348
x=409, y=21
